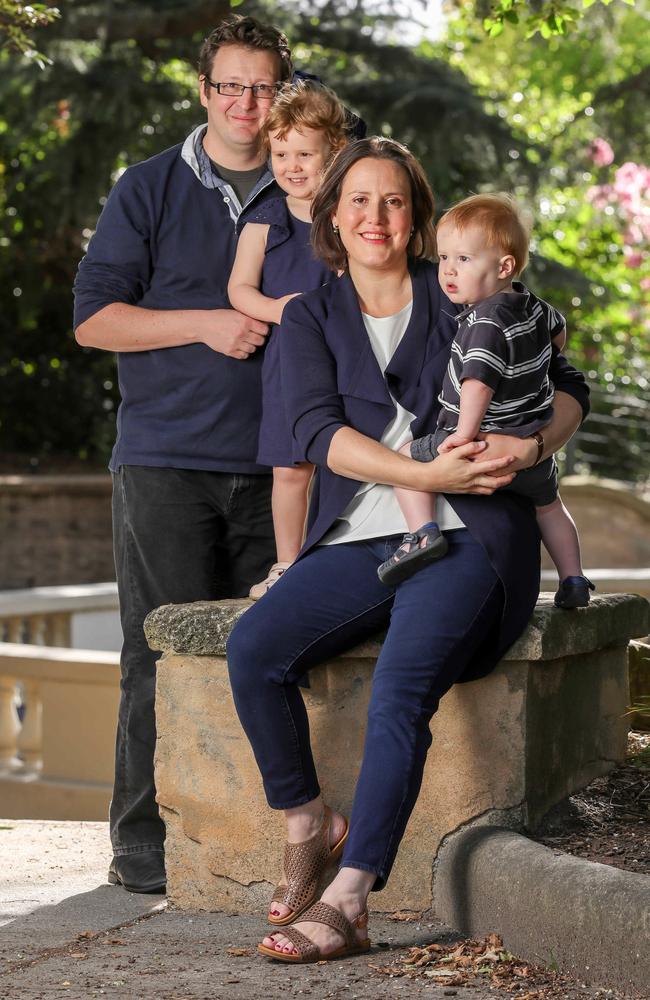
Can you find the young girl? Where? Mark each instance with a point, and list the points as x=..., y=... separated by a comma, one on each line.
x=304, y=128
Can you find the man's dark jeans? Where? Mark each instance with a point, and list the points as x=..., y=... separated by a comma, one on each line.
x=179, y=536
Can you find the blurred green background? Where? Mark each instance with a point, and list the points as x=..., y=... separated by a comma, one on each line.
x=541, y=98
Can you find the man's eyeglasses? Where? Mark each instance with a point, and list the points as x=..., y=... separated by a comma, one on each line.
x=262, y=91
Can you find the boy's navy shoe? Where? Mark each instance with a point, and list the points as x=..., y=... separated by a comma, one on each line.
x=573, y=593
x=143, y=871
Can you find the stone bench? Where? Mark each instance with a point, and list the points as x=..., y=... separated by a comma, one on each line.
x=506, y=748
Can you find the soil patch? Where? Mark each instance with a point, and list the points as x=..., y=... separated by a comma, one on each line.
x=609, y=820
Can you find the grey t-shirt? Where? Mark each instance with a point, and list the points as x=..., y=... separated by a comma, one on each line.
x=242, y=181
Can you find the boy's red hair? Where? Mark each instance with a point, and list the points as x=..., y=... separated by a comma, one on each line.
x=498, y=218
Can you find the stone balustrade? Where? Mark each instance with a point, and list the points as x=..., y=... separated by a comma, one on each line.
x=80, y=616
x=56, y=739
x=506, y=748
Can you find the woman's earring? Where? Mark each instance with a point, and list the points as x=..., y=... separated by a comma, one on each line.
x=335, y=229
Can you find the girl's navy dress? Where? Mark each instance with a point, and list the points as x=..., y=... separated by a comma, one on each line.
x=289, y=266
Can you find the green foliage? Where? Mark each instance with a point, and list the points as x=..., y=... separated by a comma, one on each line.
x=18, y=22
x=566, y=94
x=65, y=132
x=549, y=18
x=411, y=93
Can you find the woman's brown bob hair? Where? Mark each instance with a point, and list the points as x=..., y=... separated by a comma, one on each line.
x=326, y=242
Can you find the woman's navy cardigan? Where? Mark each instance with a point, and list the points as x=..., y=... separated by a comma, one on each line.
x=331, y=379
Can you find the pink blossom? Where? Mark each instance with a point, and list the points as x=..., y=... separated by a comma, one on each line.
x=601, y=195
x=632, y=236
x=601, y=153
x=629, y=194
x=631, y=186
x=645, y=284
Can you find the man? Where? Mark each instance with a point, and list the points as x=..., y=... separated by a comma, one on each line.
x=191, y=508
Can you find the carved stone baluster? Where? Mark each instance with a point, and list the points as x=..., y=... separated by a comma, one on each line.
x=15, y=629
x=36, y=629
x=9, y=724
x=30, y=738
x=58, y=630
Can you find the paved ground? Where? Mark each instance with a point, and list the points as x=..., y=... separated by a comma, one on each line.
x=65, y=933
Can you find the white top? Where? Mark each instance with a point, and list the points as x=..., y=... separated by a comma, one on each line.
x=374, y=511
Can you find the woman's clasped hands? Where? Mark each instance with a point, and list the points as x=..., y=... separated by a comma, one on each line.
x=464, y=470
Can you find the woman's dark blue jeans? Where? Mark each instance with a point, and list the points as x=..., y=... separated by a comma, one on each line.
x=328, y=601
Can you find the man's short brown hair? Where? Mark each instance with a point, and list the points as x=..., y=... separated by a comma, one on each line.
x=327, y=244
x=250, y=34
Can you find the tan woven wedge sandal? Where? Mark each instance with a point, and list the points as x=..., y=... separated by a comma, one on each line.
x=304, y=866
x=322, y=913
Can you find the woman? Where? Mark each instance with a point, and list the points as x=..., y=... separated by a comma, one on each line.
x=362, y=361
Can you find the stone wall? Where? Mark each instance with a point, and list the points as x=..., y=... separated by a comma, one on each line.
x=505, y=749
x=55, y=530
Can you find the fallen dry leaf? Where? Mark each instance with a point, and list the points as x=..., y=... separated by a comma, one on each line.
x=403, y=915
x=238, y=952
x=473, y=963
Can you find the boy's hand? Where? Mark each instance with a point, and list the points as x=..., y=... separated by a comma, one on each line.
x=451, y=442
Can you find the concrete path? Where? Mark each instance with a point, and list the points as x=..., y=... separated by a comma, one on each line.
x=65, y=933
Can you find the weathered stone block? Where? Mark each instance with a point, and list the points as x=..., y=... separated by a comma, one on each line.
x=640, y=684
x=549, y=719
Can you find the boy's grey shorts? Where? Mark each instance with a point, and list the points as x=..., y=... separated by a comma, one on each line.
x=538, y=484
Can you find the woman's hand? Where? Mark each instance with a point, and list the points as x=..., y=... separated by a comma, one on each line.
x=522, y=450
x=567, y=414
x=462, y=470
x=451, y=442
x=465, y=470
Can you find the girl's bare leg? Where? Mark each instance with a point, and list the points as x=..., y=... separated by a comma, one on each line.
x=289, y=502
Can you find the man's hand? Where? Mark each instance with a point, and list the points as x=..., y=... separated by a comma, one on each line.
x=451, y=442
x=231, y=333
